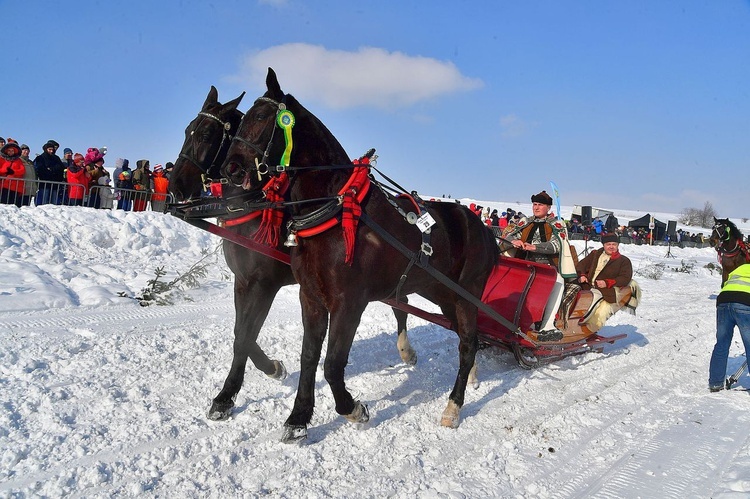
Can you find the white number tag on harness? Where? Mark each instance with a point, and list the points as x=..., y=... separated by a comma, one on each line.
x=425, y=222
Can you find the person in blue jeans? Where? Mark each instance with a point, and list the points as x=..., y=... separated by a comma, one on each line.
x=732, y=309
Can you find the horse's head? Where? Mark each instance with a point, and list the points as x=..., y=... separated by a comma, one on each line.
x=721, y=232
x=258, y=142
x=275, y=132
x=207, y=140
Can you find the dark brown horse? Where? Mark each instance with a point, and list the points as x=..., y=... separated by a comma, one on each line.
x=729, y=243
x=257, y=277
x=341, y=271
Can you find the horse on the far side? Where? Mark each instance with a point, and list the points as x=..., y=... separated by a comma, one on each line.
x=729, y=243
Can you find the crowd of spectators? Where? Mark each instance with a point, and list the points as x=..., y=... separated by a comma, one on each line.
x=491, y=217
x=78, y=179
x=594, y=231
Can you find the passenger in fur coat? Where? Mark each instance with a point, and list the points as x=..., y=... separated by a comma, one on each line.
x=605, y=268
x=609, y=276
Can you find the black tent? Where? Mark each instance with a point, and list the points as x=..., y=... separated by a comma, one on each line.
x=660, y=228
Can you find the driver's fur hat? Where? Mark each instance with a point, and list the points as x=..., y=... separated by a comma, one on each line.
x=542, y=197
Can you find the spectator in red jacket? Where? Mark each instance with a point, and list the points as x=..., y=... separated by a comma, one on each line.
x=13, y=171
x=161, y=183
x=78, y=180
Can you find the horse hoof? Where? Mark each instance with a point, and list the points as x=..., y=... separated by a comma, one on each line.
x=219, y=412
x=451, y=415
x=360, y=414
x=294, y=433
x=473, y=379
x=409, y=357
x=280, y=373
x=405, y=350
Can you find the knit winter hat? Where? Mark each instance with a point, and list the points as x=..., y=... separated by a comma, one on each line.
x=542, y=197
x=78, y=159
x=93, y=156
x=24, y=146
x=158, y=168
x=610, y=238
x=67, y=150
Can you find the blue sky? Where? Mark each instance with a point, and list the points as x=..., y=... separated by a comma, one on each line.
x=640, y=105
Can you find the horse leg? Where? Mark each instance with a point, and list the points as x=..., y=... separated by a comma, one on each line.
x=467, y=349
x=344, y=322
x=251, y=304
x=473, y=379
x=408, y=354
x=315, y=323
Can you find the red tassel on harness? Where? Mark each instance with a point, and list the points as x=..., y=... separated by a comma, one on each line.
x=351, y=207
x=270, y=224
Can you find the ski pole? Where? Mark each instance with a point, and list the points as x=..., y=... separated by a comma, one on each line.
x=734, y=377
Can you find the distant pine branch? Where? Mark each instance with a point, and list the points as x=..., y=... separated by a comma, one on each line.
x=163, y=293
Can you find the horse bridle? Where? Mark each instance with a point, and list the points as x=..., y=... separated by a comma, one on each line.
x=261, y=167
x=723, y=235
x=226, y=128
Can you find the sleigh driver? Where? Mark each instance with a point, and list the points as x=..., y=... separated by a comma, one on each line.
x=589, y=291
x=543, y=239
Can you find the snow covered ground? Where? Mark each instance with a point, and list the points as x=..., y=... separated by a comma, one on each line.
x=102, y=397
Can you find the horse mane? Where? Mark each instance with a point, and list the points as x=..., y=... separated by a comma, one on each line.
x=735, y=231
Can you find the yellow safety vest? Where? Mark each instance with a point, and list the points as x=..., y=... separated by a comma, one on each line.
x=738, y=279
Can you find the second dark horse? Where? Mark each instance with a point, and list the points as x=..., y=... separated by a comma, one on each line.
x=257, y=278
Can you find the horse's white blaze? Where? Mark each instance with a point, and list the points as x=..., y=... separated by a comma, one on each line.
x=451, y=415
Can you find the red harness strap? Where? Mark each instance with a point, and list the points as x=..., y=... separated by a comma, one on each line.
x=359, y=181
x=739, y=248
x=217, y=190
x=270, y=225
x=239, y=220
x=353, y=192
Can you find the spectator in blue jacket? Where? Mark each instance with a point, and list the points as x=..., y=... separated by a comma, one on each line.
x=598, y=225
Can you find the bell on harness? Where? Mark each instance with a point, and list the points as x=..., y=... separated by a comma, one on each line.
x=291, y=240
